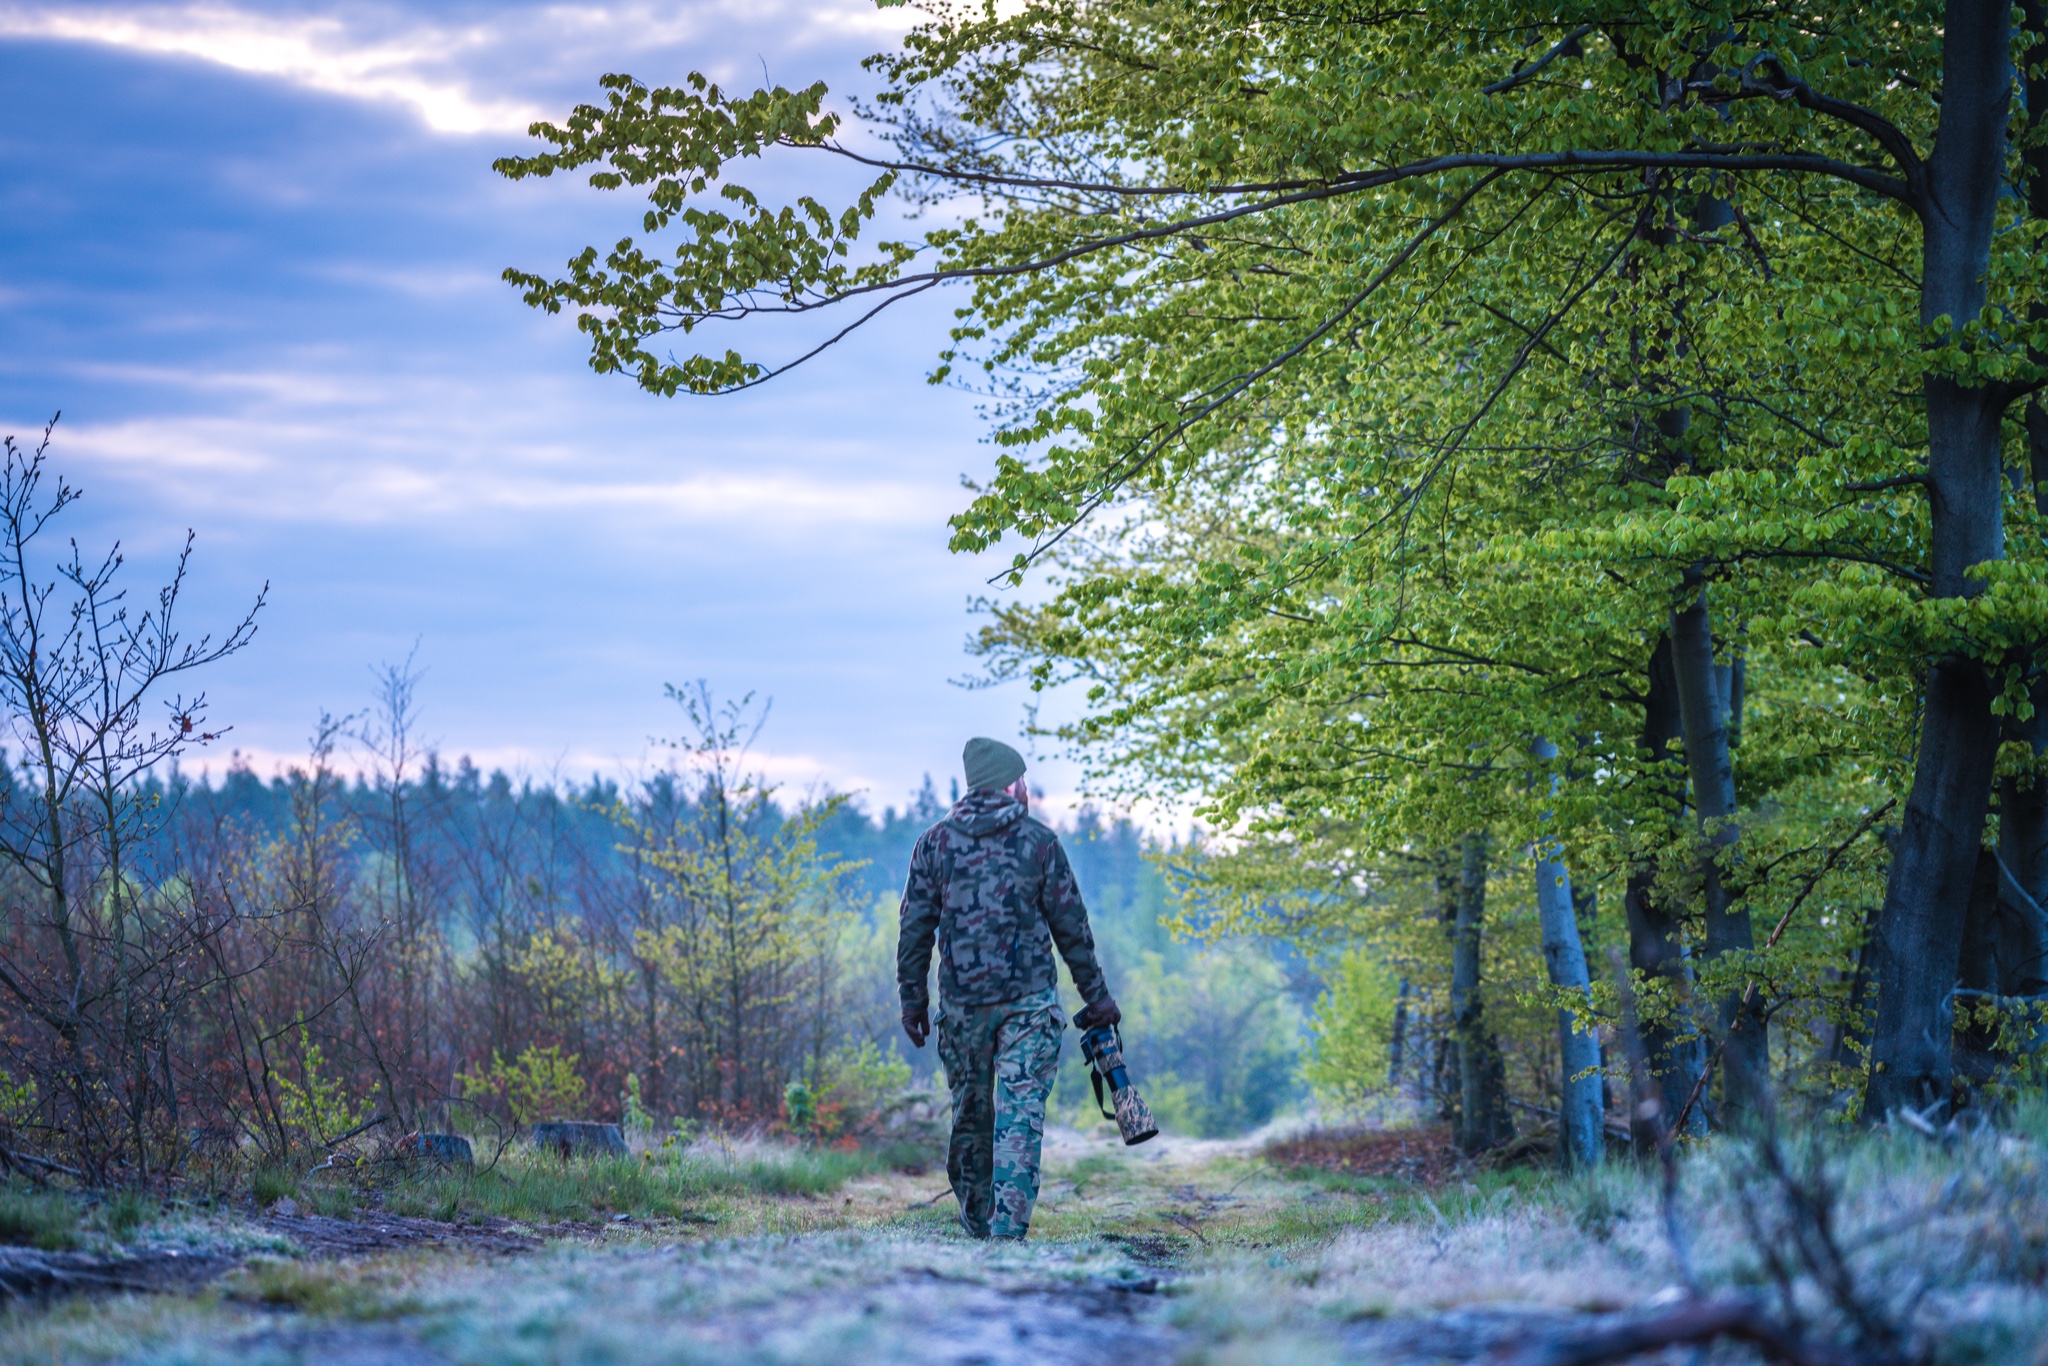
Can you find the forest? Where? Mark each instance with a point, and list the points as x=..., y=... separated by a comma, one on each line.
x=1616, y=453
x=267, y=965
x=1560, y=494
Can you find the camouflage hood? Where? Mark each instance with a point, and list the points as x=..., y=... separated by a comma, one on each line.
x=980, y=814
x=992, y=891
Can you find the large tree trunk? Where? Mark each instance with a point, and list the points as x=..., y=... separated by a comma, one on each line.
x=1655, y=946
x=1745, y=1047
x=1482, y=1077
x=1935, y=858
x=1582, y=1112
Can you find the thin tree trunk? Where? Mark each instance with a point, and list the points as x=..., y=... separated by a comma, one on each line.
x=1397, y=1045
x=1450, y=1069
x=1977, y=1051
x=1482, y=1077
x=2022, y=804
x=1920, y=926
x=2023, y=848
x=1655, y=947
x=1745, y=1052
x=1582, y=1114
x=1853, y=1037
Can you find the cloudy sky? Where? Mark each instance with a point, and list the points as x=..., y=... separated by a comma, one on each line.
x=252, y=251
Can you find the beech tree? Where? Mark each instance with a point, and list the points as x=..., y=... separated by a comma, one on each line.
x=1418, y=237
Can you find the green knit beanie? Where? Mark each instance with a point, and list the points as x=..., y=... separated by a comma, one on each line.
x=991, y=763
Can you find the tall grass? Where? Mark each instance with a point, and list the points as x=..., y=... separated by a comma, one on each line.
x=535, y=1188
x=124, y=1212
x=41, y=1219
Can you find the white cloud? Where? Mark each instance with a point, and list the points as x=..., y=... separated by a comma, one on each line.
x=462, y=78
x=316, y=51
x=291, y=469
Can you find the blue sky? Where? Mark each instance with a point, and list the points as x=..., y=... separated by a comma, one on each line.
x=252, y=251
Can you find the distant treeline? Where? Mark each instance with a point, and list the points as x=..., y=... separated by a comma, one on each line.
x=518, y=857
x=454, y=948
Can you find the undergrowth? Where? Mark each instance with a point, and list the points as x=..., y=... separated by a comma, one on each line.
x=43, y=1219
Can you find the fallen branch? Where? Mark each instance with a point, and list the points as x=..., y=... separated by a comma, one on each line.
x=1693, y=1323
x=30, y=1159
x=372, y=1122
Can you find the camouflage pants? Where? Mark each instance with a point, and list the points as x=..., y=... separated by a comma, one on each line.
x=1000, y=1063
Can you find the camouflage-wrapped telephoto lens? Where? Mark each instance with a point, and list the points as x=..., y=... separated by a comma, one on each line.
x=1104, y=1050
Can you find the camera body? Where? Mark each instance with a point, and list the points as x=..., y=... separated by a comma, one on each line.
x=1103, y=1047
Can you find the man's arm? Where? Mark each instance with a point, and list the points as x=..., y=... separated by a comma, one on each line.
x=1067, y=918
x=917, y=923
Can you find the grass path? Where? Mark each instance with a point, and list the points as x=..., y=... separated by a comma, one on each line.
x=875, y=1270
x=1178, y=1252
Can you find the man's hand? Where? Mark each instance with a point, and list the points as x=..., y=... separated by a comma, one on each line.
x=918, y=1025
x=1103, y=1012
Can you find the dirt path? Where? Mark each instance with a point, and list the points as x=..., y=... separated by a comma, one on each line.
x=931, y=1300
x=1138, y=1257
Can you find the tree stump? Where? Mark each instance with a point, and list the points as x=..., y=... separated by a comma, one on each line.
x=567, y=1138
x=450, y=1150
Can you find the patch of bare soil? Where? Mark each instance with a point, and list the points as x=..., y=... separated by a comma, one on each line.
x=920, y=1317
x=936, y=1320
x=28, y=1273
x=1425, y=1156
x=319, y=1236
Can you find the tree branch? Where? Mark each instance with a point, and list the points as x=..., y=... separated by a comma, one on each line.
x=1232, y=388
x=1567, y=46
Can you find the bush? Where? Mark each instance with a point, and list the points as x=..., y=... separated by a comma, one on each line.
x=320, y=1109
x=1351, y=1033
x=541, y=1083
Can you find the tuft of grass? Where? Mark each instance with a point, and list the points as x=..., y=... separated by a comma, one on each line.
x=328, y=1289
x=41, y=1219
x=331, y=1198
x=124, y=1212
x=271, y=1184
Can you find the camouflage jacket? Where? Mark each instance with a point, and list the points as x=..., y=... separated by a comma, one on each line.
x=993, y=886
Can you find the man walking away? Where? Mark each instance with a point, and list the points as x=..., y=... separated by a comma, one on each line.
x=993, y=886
